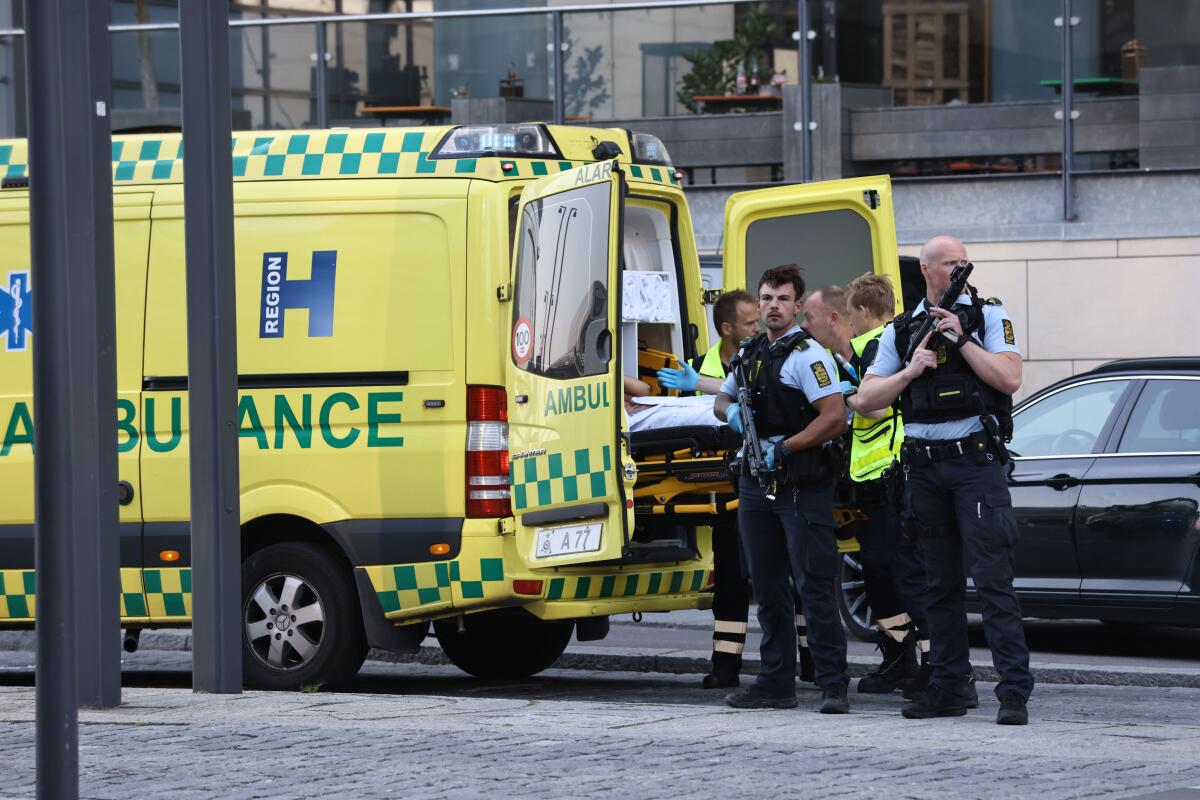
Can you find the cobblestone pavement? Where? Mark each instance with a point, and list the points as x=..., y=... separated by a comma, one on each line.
x=421, y=731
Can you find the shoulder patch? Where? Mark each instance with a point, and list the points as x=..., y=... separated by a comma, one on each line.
x=993, y=301
x=1009, y=336
x=821, y=374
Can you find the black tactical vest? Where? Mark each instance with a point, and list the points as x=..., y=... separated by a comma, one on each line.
x=952, y=391
x=779, y=409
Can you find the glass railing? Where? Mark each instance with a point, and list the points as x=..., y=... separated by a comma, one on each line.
x=933, y=89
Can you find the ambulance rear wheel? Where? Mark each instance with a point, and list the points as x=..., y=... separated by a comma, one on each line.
x=497, y=650
x=301, y=625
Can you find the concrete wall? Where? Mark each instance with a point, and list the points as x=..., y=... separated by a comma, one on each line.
x=1076, y=304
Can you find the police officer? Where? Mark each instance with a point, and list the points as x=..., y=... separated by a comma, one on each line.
x=850, y=329
x=735, y=316
x=787, y=529
x=956, y=399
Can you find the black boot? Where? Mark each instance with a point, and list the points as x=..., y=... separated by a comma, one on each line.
x=920, y=681
x=899, y=666
x=725, y=670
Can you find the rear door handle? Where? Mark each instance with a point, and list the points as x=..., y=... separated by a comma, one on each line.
x=1063, y=481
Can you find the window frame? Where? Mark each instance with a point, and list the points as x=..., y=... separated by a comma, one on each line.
x=1114, y=441
x=1116, y=418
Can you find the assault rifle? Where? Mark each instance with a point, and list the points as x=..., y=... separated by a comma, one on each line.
x=752, y=452
x=958, y=283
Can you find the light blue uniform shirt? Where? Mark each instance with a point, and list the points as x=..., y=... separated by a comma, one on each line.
x=799, y=372
x=887, y=363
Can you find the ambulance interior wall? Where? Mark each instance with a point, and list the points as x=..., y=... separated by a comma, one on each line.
x=648, y=248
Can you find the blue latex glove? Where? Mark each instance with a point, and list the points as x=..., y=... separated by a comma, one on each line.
x=684, y=379
x=848, y=388
x=734, y=415
x=771, y=458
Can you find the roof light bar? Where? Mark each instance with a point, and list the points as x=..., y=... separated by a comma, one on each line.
x=648, y=149
x=485, y=141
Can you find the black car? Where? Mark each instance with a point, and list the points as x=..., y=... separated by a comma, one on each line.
x=1105, y=483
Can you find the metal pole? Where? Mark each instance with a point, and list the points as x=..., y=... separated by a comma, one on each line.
x=266, y=70
x=322, y=91
x=95, y=508
x=559, y=96
x=804, y=51
x=212, y=346
x=70, y=247
x=1068, y=102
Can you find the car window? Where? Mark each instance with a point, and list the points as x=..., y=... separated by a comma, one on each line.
x=1066, y=423
x=1164, y=419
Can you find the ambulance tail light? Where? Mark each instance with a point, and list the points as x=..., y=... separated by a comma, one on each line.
x=487, y=452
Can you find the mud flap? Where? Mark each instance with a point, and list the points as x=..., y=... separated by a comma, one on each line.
x=381, y=633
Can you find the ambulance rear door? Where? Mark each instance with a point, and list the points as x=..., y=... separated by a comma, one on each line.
x=568, y=459
x=834, y=230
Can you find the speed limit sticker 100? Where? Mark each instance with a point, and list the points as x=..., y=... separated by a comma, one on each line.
x=522, y=341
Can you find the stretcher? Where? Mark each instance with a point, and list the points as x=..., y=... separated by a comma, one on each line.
x=684, y=473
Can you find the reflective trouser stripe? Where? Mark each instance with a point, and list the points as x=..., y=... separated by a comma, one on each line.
x=801, y=631
x=923, y=645
x=729, y=636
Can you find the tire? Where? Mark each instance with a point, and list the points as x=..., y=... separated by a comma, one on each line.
x=852, y=600
x=498, y=650
x=323, y=643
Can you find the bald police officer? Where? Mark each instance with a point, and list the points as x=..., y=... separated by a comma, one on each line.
x=954, y=399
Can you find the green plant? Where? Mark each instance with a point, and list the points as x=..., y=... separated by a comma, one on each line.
x=714, y=69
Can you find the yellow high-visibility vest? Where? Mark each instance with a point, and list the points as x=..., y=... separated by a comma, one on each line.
x=875, y=443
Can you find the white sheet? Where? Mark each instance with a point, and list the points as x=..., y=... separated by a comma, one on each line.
x=673, y=412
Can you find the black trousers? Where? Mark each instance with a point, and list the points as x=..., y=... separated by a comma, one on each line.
x=792, y=538
x=893, y=569
x=961, y=504
x=731, y=596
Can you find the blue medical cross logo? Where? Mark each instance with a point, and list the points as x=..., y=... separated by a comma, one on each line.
x=316, y=294
x=16, y=311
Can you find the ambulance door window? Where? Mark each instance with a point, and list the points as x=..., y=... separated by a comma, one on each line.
x=562, y=283
x=830, y=247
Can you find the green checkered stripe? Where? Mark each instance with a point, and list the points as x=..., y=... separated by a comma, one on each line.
x=168, y=591
x=14, y=161
x=18, y=588
x=330, y=154
x=403, y=587
x=558, y=478
x=598, y=587
x=526, y=168
x=18, y=591
x=133, y=601
x=665, y=175
x=529, y=168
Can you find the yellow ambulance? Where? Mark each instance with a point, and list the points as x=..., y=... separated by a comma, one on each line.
x=433, y=324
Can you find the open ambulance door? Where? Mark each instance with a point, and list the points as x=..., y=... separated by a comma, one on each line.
x=568, y=461
x=834, y=230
